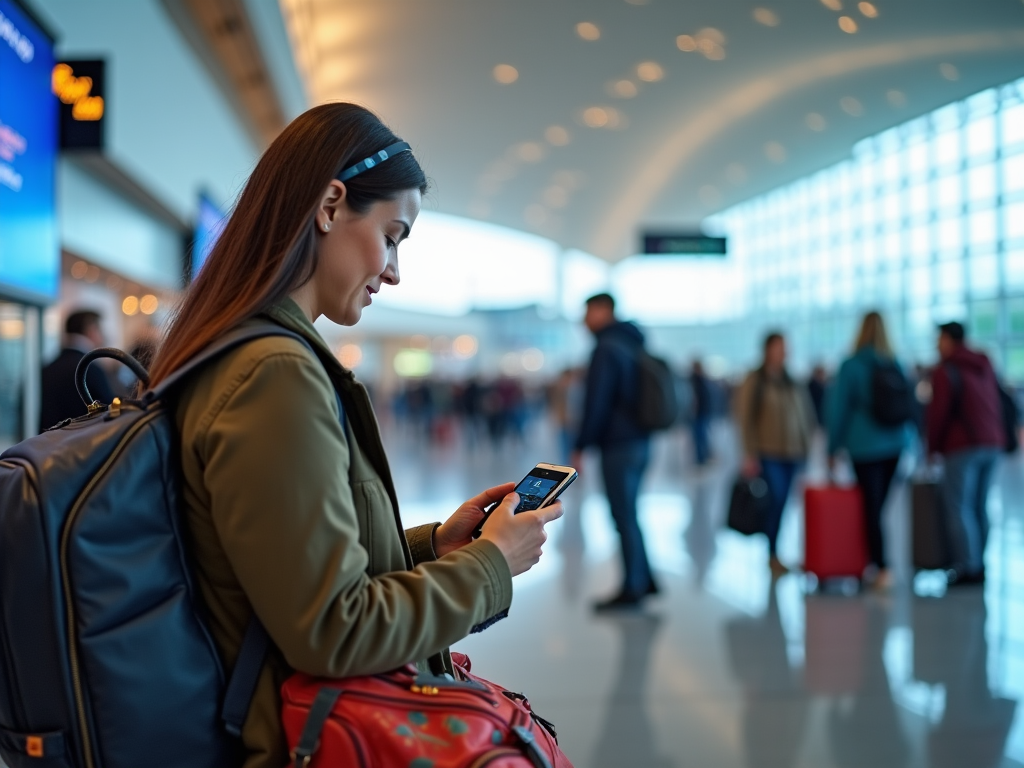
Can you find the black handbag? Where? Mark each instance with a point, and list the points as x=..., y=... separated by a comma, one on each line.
x=748, y=505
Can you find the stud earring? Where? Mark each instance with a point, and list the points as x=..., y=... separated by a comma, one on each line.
x=326, y=226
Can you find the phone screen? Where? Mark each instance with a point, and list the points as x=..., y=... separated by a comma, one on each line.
x=536, y=486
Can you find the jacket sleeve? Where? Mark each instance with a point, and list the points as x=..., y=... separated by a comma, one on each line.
x=276, y=469
x=421, y=542
x=837, y=410
x=939, y=412
x=600, y=397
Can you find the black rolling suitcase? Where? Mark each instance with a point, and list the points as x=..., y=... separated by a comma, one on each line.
x=930, y=545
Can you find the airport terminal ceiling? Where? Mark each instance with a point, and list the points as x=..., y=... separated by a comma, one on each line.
x=608, y=122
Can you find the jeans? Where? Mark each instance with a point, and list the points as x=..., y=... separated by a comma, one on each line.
x=965, y=484
x=701, y=439
x=623, y=465
x=778, y=474
x=874, y=479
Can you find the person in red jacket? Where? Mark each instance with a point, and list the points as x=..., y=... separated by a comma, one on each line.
x=965, y=427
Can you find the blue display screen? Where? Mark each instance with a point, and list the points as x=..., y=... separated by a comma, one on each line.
x=210, y=222
x=29, y=246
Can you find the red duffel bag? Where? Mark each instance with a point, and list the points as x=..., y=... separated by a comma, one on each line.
x=406, y=719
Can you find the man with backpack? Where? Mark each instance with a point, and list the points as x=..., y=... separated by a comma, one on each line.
x=612, y=423
x=965, y=426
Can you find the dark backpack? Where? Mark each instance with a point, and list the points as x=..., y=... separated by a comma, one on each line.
x=1009, y=412
x=657, y=401
x=892, y=398
x=105, y=655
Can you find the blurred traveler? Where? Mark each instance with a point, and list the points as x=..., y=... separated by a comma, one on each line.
x=609, y=424
x=873, y=442
x=287, y=493
x=965, y=426
x=565, y=401
x=60, y=399
x=816, y=387
x=776, y=422
x=703, y=409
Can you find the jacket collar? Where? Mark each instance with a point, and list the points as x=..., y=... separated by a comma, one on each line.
x=288, y=314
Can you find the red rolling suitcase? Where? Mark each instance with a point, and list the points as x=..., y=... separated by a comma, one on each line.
x=834, y=539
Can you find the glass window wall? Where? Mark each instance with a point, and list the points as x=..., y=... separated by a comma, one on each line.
x=925, y=222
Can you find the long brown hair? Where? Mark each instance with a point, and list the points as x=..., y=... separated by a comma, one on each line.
x=268, y=248
x=872, y=334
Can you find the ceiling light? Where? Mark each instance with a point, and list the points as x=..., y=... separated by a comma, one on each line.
x=712, y=50
x=949, y=71
x=350, y=356
x=896, y=98
x=465, y=346
x=557, y=136
x=833, y=5
x=530, y=152
x=149, y=304
x=686, y=43
x=506, y=74
x=710, y=33
x=848, y=25
x=851, y=106
x=78, y=269
x=595, y=117
x=815, y=121
x=736, y=174
x=766, y=16
x=588, y=31
x=624, y=89
x=775, y=152
x=650, y=72
x=533, y=360
x=868, y=9
x=130, y=305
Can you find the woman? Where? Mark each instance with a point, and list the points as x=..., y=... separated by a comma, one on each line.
x=288, y=499
x=873, y=448
x=776, y=423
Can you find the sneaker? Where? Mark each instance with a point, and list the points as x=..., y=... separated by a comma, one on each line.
x=883, y=580
x=958, y=578
x=621, y=601
x=776, y=567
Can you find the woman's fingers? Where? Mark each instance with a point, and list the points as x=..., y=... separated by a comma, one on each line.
x=491, y=495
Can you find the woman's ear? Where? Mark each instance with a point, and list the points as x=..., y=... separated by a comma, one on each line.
x=331, y=205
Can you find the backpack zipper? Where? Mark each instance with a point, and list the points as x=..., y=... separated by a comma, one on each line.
x=76, y=675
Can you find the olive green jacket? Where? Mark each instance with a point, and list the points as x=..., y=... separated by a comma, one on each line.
x=781, y=425
x=295, y=517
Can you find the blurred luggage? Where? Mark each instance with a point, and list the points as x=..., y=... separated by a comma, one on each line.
x=835, y=640
x=929, y=542
x=835, y=544
x=748, y=505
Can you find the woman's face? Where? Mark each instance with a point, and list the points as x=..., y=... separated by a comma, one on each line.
x=358, y=253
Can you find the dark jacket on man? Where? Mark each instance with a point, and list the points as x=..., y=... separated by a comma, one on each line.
x=612, y=381
x=965, y=412
x=60, y=399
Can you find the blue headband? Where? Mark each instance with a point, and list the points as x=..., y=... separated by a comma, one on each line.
x=373, y=160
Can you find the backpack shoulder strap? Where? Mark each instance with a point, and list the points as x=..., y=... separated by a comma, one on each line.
x=230, y=340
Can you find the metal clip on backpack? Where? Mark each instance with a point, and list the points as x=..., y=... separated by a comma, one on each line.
x=105, y=655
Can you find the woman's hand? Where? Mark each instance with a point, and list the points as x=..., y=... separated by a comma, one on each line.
x=457, y=531
x=519, y=537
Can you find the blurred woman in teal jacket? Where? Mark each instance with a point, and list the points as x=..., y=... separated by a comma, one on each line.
x=873, y=448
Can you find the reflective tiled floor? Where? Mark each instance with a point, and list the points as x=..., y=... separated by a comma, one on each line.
x=724, y=669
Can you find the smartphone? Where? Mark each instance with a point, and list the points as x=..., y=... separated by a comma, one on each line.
x=543, y=484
